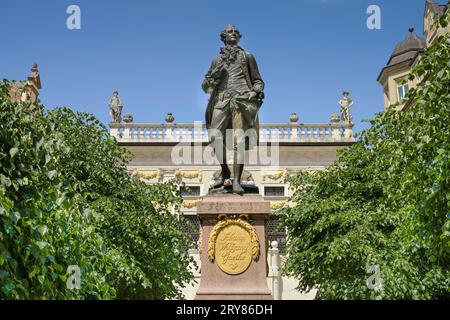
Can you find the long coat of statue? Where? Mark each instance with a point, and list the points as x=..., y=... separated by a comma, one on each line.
x=224, y=96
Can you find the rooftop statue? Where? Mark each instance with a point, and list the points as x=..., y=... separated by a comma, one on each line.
x=115, y=107
x=237, y=93
x=346, y=103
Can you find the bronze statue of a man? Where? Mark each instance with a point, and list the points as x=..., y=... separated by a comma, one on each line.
x=237, y=93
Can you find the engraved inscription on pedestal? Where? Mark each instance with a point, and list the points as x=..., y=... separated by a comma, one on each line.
x=233, y=249
x=233, y=244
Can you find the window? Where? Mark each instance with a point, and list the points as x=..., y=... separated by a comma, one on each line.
x=402, y=89
x=193, y=191
x=274, y=191
x=191, y=226
x=276, y=233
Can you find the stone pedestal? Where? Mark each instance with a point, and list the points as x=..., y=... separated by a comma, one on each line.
x=233, y=248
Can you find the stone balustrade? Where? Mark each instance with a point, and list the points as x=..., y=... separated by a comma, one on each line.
x=282, y=133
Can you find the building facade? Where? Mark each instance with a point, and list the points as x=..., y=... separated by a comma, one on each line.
x=394, y=76
x=167, y=151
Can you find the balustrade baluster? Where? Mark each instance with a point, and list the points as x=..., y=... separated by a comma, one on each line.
x=198, y=133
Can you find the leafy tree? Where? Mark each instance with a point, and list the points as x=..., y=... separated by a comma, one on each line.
x=145, y=238
x=384, y=202
x=66, y=198
x=42, y=229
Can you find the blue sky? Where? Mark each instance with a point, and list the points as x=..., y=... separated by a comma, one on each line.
x=157, y=52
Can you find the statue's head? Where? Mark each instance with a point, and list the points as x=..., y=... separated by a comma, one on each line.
x=346, y=93
x=115, y=93
x=230, y=35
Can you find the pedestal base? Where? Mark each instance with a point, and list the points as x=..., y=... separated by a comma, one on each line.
x=233, y=296
x=215, y=283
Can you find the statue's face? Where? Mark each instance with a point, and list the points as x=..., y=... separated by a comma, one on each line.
x=231, y=36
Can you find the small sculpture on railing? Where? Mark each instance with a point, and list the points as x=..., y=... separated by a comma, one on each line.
x=170, y=118
x=346, y=103
x=335, y=118
x=293, y=118
x=115, y=107
x=128, y=118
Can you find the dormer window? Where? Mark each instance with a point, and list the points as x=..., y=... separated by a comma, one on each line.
x=402, y=89
x=400, y=63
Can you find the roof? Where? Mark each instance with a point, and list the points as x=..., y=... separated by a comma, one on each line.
x=413, y=45
x=435, y=7
x=407, y=50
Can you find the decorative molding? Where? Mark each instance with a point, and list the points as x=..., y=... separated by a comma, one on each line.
x=200, y=240
x=278, y=204
x=207, y=207
x=191, y=203
x=190, y=174
x=147, y=175
x=274, y=175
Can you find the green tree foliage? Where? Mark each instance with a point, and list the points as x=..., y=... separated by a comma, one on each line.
x=384, y=202
x=66, y=199
x=42, y=229
x=144, y=238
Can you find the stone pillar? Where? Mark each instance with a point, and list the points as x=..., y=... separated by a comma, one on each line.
x=336, y=133
x=169, y=132
x=127, y=133
x=233, y=249
x=274, y=273
x=114, y=132
x=348, y=132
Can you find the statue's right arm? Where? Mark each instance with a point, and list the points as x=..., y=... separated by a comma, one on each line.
x=209, y=83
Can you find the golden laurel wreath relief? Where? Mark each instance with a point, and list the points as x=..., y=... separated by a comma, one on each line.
x=191, y=203
x=190, y=174
x=147, y=175
x=274, y=175
x=233, y=243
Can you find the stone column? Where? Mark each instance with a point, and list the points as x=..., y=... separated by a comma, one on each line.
x=274, y=273
x=169, y=132
x=348, y=131
x=127, y=133
x=233, y=250
x=336, y=133
x=114, y=132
